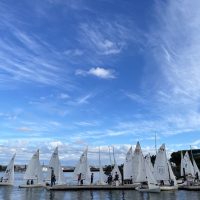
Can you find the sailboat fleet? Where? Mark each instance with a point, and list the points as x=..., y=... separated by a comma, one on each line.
x=138, y=172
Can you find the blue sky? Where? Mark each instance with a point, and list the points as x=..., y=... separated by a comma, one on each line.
x=98, y=73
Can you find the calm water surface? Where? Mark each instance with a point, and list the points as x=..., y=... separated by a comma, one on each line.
x=15, y=193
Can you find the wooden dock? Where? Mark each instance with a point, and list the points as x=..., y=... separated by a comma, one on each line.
x=91, y=187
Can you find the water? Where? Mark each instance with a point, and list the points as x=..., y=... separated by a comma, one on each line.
x=15, y=193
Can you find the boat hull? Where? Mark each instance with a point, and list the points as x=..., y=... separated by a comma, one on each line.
x=153, y=190
x=190, y=187
x=6, y=184
x=31, y=186
x=167, y=188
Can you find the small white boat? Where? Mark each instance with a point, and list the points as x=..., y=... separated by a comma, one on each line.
x=145, y=177
x=82, y=170
x=33, y=176
x=128, y=167
x=54, y=164
x=148, y=189
x=163, y=171
x=8, y=178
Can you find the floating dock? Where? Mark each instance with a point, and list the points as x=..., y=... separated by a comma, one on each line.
x=91, y=187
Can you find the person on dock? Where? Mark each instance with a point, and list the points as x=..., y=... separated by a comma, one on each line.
x=79, y=179
x=28, y=183
x=116, y=176
x=116, y=179
x=92, y=178
x=131, y=180
x=196, y=177
x=32, y=182
x=109, y=180
x=162, y=183
x=53, y=178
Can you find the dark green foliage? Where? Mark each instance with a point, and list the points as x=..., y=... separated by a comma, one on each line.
x=176, y=158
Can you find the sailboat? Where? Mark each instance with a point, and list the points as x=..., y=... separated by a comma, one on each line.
x=187, y=168
x=55, y=166
x=33, y=176
x=196, y=169
x=115, y=171
x=137, y=155
x=148, y=159
x=102, y=176
x=145, y=176
x=128, y=167
x=163, y=172
x=82, y=169
x=8, y=177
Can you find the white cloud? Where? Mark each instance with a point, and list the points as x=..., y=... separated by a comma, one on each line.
x=74, y=52
x=86, y=123
x=103, y=37
x=64, y=96
x=135, y=97
x=84, y=99
x=99, y=72
x=177, y=48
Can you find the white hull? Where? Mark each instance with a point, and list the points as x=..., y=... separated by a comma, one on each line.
x=31, y=186
x=168, y=187
x=153, y=190
x=6, y=184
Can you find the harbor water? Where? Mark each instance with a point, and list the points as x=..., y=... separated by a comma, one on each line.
x=15, y=193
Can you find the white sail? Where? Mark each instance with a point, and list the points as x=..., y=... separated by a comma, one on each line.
x=161, y=171
x=102, y=176
x=171, y=174
x=83, y=168
x=146, y=175
x=152, y=183
x=141, y=176
x=187, y=165
x=136, y=160
x=55, y=165
x=8, y=176
x=128, y=165
x=114, y=170
x=196, y=169
x=148, y=160
x=34, y=169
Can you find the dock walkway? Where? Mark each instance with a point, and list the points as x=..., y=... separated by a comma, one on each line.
x=91, y=187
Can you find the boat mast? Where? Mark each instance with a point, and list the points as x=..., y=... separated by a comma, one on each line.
x=114, y=155
x=192, y=154
x=110, y=158
x=155, y=144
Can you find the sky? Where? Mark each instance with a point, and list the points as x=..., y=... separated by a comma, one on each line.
x=98, y=73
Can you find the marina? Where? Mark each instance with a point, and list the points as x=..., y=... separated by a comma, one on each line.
x=138, y=173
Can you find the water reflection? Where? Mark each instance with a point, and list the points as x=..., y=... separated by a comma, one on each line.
x=31, y=193
x=5, y=192
x=12, y=193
